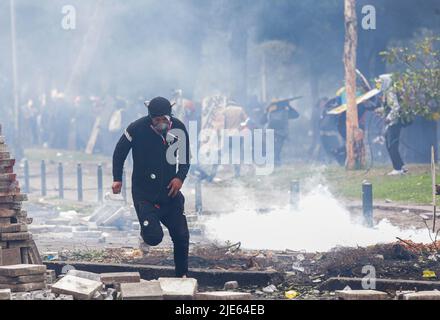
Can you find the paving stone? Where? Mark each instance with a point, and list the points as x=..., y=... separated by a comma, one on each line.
x=120, y=277
x=23, y=279
x=79, y=288
x=22, y=270
x=85, y=275
x=5, y=294
x=10, y=256
x=149, y=290
x=24, y=287
x=15, y=227
x=178, y=288
x=361, y=295
x=15, y=236
x=422, y=295
x=7, y=213
x=223, y=295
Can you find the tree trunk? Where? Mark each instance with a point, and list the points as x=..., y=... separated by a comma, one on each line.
x=355, y=145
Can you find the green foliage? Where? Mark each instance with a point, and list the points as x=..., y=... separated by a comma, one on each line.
x=417, y=81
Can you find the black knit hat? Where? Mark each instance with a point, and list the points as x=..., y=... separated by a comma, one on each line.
x=159, y=107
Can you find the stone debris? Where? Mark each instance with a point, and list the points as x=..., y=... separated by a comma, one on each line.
x=230, y=285
x=79, y=288
x=178, y=288
x=422, y=295
x=223, y=295
x=23, y=277
x=361, y=295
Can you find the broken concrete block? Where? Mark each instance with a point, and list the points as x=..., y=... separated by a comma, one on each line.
x=149, y=290
x=84, y=275
x=22, y=270
x=223, y=295
x=361, y=295
x=5, y=294
x=422, y=295
x=79, y=288
x=231, y=285
x=178, y=288
x=120, y=277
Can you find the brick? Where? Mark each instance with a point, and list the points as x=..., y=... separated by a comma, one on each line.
x=8, y=177
x=422, y=295
x=178, y=288
x=79, y=288
x=7, y=213
x=361, y=295
x=5, y=221
x=15, y=236
x=23, y=279
x=84, y=275
x=223, y=295
x=11, y=256
x=4, y=155
x=20, y=197
x=6, y=169
x=5, y=294
x=22, y=270
x=120, y=277
x=148, y=290
x=25, y=287
x=15, y=227
x=20, y=244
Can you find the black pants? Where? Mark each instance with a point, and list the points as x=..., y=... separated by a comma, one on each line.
x=278, y=147
x=173, y=217
x=392, y=138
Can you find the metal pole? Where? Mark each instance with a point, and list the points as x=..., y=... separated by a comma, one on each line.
x=60, y=181
x=43, y=178
x=367, y=203
x=294, y=193
x=100, y=184
x=198, y=189
x=79, y=181
x=27, y=188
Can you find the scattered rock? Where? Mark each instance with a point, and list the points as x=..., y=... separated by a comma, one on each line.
x=231, y=285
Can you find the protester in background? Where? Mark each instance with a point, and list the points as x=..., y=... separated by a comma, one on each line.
x=390, y=111
x=277, y=117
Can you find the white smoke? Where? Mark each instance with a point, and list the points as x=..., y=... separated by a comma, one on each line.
x=319, y=224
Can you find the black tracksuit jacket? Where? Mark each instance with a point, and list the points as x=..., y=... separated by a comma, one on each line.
x=151, y=171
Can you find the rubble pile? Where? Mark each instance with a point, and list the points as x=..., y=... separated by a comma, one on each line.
x=16, y=244
x=82, y=285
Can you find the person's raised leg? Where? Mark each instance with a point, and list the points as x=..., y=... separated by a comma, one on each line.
x=175, y=221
